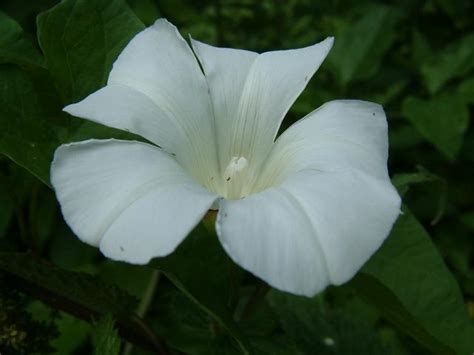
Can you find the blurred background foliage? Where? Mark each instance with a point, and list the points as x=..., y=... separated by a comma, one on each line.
x=415, y=296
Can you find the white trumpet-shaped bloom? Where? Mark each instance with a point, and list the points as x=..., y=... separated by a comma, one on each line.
x=301, y=212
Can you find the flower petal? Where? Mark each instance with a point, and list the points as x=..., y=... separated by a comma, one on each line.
x=251, y=94
x=340, y=135
x=125, y=196
x=326, y=202
x=315, y=229
x=268, y=235
x=226, y=71
x=159, y=64
x=124, y=108
x=352, y=213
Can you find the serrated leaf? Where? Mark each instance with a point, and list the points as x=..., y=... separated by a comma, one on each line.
x=81, y=39
x=105, y=337
x=82, y=295
x=442, y=121
x=15, y=48
x=453, y=61
x=409, y=283
x=359, y=48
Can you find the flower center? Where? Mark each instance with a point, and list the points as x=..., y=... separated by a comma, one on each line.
x=235, y=168
x=234, y=177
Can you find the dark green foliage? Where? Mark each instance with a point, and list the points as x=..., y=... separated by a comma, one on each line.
x=19, y=333
x=416, y=58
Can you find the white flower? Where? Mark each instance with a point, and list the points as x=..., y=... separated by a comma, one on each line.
x=301, y=212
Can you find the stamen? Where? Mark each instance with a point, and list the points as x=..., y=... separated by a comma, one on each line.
x=236, y=165
x=235, y=176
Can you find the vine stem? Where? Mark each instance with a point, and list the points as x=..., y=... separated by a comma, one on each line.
x=145, y=303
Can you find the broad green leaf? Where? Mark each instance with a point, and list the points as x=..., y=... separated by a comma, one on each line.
x=467, y=219
x=409, y=283
x=203, y=272
x=359, y=48
x=421, y=49
x=442, y=121
x=105, y=337
x=15, y=48
x=466, y=90
x=179, y=320
x=147, y=10
x=453, y=61
x=28, y=114
x=132, y=278
x=313, y=328
x=81, y=39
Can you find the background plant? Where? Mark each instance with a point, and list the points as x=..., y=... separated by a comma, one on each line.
x=415, y=296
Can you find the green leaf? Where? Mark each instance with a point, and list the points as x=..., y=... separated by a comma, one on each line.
x=316, y=329
x=466, y=90
x=82, y=295
x=7, y=206
x=181, y=321
x=453, y=61
x=105, y=337
x=81, y=39
x=28, y=112
x=15, y=48
x=202, y=271
x=403, y=181
x=421, y=49
x=442, y=121
x=360, y=46
x=409, y=283
x=73, y=332
x=467, y=219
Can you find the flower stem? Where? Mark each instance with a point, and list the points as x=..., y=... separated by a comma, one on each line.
x=145, y=303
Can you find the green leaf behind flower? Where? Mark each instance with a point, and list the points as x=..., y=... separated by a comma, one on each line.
x=202, y=271
x=15, y=47
x=360, y=46
x=442, y=121
x=409, y=283
x=28, y=112
x=454, y=61
x=81, y=39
